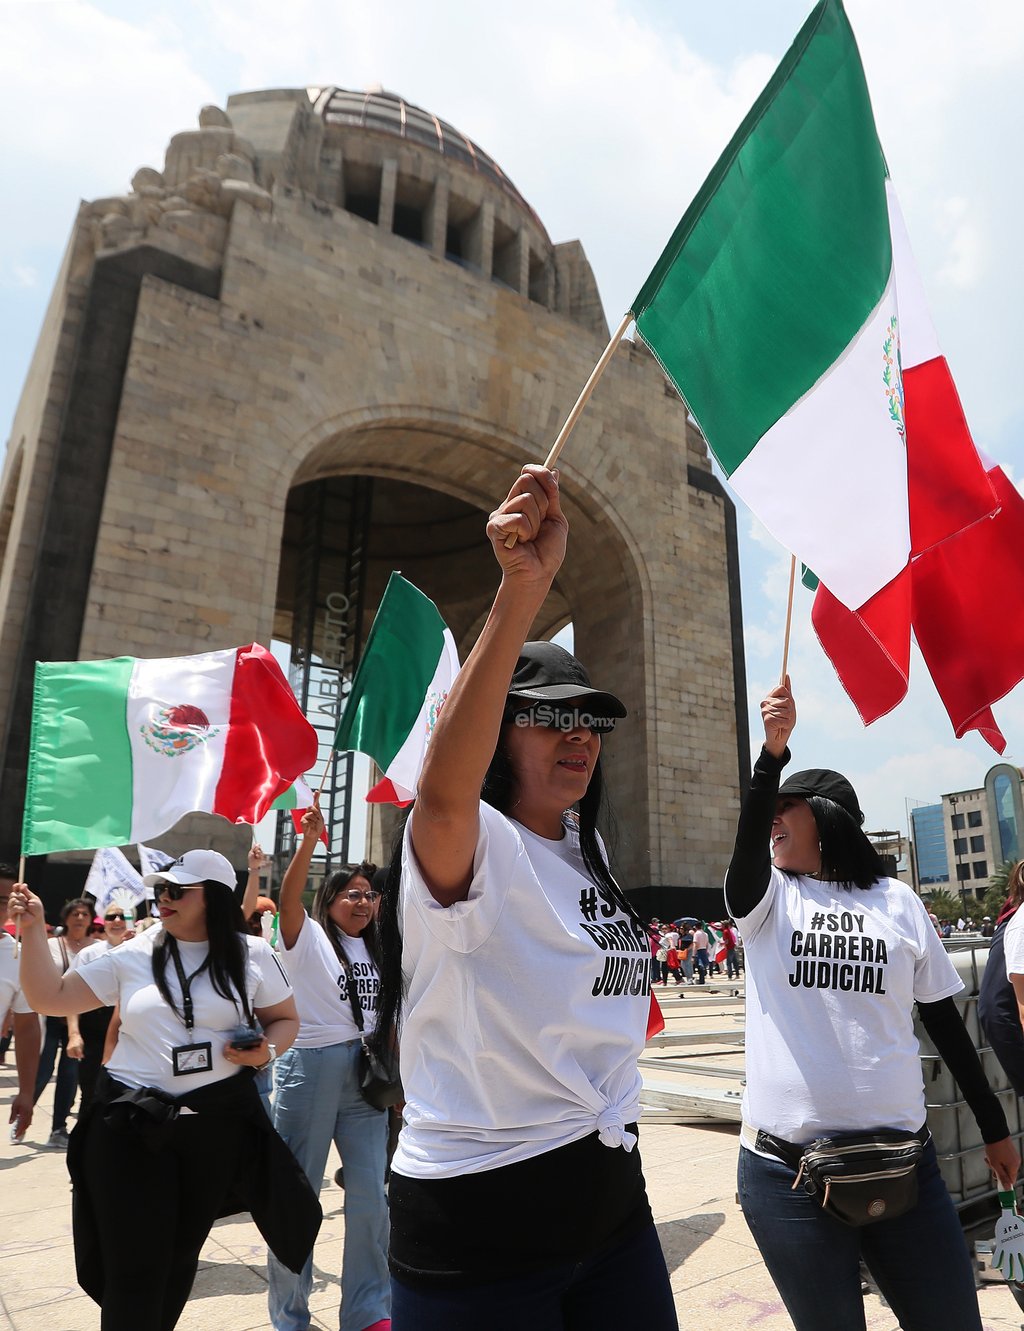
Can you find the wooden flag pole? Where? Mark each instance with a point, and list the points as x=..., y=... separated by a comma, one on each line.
x=789, y=619
x=17, y=922
x=327, y=771
x=581, y=402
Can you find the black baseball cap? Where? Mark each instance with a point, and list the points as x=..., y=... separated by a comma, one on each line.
x=546, y=672
x=826, y=783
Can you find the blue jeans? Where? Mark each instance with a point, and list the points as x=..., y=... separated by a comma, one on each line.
x=54, y=1043
x=919, y=1260
x=626, y=1287
x=317, y=1101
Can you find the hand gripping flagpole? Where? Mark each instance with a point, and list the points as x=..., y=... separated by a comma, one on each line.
x=581, y=402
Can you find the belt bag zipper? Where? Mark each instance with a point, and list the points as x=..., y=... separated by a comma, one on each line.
x=865, y=1178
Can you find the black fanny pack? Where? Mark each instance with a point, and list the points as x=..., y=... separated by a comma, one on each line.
x=859, y=1178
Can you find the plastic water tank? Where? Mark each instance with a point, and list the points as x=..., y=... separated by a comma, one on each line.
x=957, y=1138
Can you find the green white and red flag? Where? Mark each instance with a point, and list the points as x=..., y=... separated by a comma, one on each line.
x=788, y=312
x=399, y=689
x=716, y=943
x=121, y=749
x=296, y=800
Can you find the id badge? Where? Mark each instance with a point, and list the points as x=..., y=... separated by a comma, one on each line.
x=189, y=1058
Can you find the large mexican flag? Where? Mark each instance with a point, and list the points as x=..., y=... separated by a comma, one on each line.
x=121, y=749
x=402, y=682
x=788, y=312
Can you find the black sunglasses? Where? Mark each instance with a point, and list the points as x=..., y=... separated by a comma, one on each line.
x=115, y=915
x=173, y=891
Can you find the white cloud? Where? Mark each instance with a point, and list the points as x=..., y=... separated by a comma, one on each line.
x=20, y=276
x=966, y=257
x=85, y=99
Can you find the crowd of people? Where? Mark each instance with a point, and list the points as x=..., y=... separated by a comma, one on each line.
x=498, y=960
x=683, y=951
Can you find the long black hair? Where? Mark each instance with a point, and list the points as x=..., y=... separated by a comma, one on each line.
x=499, y=791
x=228, y=950
x=329, y=889
x=847, y=857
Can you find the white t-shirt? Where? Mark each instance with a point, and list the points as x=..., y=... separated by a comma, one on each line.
x=150, y=1029
x=91, y=953
x=832, y=978
x=526, y=1009
x=321, y=987
x=11, y=997
x=1013, y=945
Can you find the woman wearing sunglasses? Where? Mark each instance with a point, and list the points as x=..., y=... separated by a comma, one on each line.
x=517, y=1196
x=332, y=962
x=87, y=1033
x=176, y=1103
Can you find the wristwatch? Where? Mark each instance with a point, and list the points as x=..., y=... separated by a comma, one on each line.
x=272, y=1048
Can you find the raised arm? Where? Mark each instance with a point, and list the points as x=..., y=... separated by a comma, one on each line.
x=750, y=868
x=252, y=883
x=44, y=987
x=296, y=876
x=446, y=814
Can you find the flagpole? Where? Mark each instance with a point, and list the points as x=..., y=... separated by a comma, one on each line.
x=581, y=402
x=327, y=771
x=789, y=619
x=17, y=922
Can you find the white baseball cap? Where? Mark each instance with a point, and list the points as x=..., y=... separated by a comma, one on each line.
x=194, y=868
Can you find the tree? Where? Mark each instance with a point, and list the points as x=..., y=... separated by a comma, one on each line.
x=998, y=889
x=943, y=904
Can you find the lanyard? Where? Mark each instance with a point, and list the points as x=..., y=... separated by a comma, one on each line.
x=185, y=981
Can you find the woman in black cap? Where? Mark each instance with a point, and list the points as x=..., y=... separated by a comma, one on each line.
x=837, y=956
x=517, y=1198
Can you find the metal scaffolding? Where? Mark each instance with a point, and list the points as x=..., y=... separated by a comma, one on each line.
x=330, y=585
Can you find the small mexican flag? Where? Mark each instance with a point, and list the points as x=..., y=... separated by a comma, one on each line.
x=402, y=682
x=716, y=944
x=121, y=749
x=296, y=800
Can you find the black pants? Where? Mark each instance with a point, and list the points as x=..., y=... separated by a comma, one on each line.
x=166, y=1200
x=92, y=1026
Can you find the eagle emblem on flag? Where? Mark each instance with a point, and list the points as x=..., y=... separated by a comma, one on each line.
x=178, y=730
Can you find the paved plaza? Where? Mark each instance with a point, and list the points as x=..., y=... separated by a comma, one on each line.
x=717, y=1275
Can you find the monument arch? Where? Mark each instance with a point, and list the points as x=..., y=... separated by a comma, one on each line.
x=322, y=284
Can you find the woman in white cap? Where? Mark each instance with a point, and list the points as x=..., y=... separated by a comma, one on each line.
x=837, y=956
x=201, y=1004
x=517, y=1195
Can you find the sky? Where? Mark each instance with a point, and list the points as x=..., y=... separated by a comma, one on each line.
x=607, y=115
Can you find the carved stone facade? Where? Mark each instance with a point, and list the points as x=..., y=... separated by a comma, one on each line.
x=324, y=284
